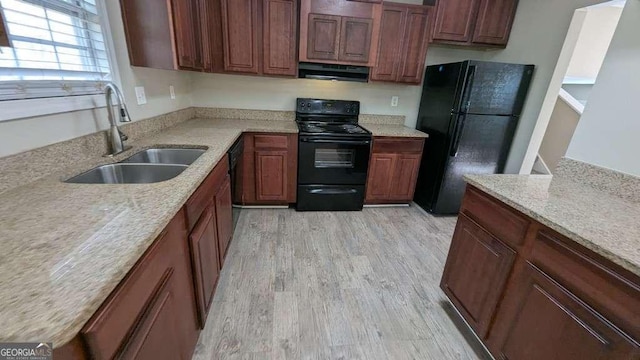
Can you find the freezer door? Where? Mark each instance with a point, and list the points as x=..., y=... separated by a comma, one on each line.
x=440, y=95
x=495, y=88
x=480, y=147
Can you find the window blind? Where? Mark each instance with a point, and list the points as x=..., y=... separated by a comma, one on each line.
x=58, y=49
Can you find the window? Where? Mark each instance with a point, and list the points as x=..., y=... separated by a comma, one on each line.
x=58, y=49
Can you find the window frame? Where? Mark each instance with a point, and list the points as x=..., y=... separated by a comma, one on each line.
x=28, y=108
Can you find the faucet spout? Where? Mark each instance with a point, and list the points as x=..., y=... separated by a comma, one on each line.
x=116, y=137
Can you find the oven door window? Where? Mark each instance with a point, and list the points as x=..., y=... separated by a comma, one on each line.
x=334, y=158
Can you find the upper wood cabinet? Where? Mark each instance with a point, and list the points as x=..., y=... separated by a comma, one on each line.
x=393, y=170
x=323, y=41
x=474, y=22
x=404, y=38
x=240, y=28
x=269, y=169
x=495, y=18
x=187, y=33
x=355, y=39
x=455, y=20
x=339, y=32
x=252, y=37
x=280, y=36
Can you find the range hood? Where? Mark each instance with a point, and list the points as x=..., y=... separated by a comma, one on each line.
x=333, y=72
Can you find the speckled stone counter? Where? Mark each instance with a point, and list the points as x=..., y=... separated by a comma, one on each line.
x=600, y=221
x=65, y=247
x=394, y=131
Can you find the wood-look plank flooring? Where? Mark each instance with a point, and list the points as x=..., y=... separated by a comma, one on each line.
x=336, y=285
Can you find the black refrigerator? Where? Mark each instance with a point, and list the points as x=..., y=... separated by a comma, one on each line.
x=470, y=110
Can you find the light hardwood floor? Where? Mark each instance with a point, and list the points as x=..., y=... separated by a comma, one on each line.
x=335, y=285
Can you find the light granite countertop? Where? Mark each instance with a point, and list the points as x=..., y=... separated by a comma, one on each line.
x=74, y=243
x=602, y=222
x=393, y=130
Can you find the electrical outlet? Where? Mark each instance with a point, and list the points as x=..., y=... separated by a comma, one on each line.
x=394, y=101
x=141, y=97
x=172, y=91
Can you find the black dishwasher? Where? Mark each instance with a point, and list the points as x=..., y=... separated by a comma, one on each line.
x=235, y=156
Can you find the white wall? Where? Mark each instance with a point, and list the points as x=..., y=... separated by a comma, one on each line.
x=597, y=30
x=25, y=134
x=559, y=133
x=538, y=34
x=608, y=132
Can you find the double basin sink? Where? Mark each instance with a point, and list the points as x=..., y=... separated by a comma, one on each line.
x=145, y=167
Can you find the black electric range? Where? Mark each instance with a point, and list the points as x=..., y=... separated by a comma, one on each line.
x=333, y=155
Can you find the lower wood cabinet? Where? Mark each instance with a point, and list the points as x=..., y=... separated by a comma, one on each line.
x=393, y=170
x=224, y=217
x=478, y=266
x=151, y=315
x=549, y=322
x=530, y=293
x=269, y=169
x=206, y=262
x=157, y=311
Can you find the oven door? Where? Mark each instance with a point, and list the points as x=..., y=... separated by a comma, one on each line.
x=328, y=161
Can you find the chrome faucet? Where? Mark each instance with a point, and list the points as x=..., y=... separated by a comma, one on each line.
x=116, y=137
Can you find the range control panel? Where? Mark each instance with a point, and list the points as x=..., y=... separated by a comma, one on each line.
x=327, y=107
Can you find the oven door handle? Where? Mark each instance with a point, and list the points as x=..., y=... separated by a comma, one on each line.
x=332, y=191
x=340, y=142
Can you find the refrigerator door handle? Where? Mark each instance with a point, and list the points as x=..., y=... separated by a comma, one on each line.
x=468, y=86
x=457, y=135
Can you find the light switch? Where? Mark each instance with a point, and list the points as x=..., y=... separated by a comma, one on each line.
x=141, y=97
x=394, y=101
x=172, y=92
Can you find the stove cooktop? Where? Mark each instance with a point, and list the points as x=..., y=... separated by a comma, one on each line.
x=317, y=128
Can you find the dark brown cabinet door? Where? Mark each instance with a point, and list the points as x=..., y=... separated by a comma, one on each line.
x=280, y=37
x=240, y=36
x=402, y=49
x=495, y=19
x=156, y=335
x=405, y=175
x=455, y=20
x=355, y=39
x=271, y=175
x=185, y=22
x=392, y=29
x=205, y=21
x=4, y=36
x=416, y=40
x=551, y=323
x=323, y=37
x=475, y=274
x=152, y=313
x=224, y=217
x=379, y=179
x=206, y=263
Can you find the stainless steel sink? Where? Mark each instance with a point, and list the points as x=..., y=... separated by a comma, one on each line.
x=129, y=174
x=166, y=156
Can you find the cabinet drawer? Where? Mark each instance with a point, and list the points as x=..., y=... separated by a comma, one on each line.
x=111, y=325
x=203, y=196
x=397, y=145
x=501, y=221
x=270, y=141
x=613, y=292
